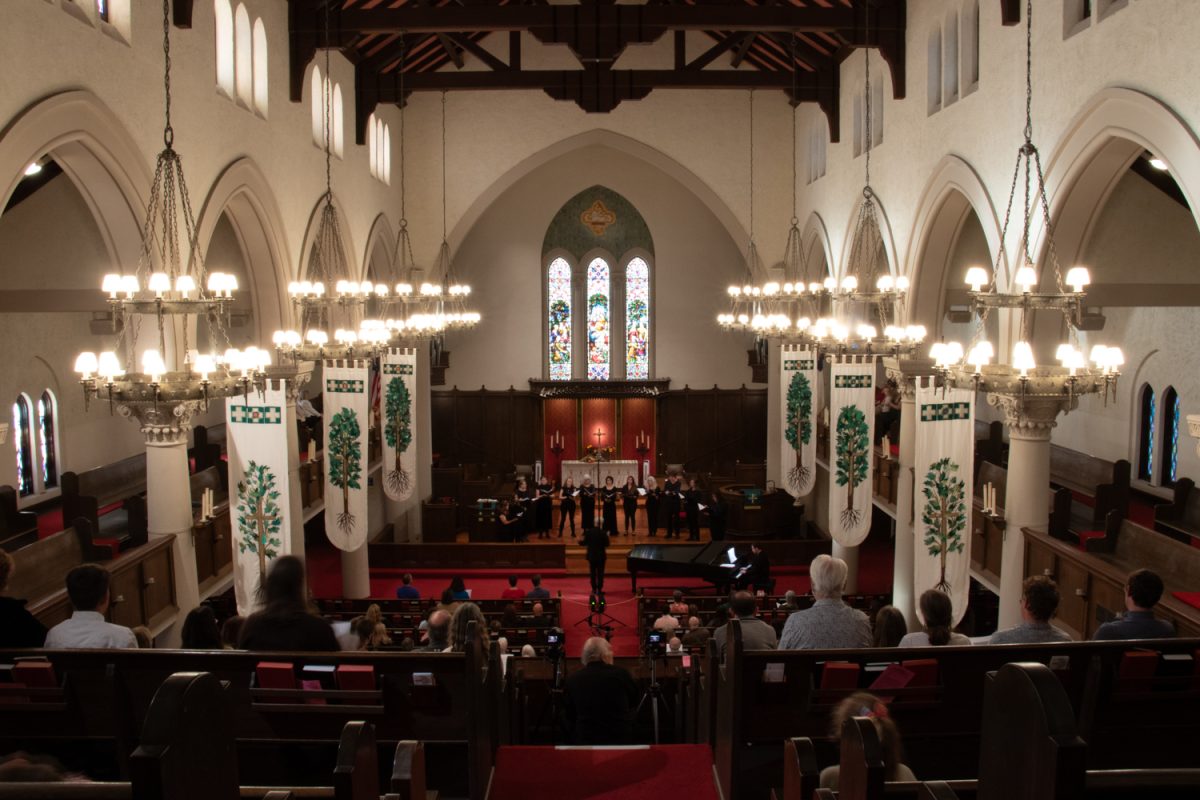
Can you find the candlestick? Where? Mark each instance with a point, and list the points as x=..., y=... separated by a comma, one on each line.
x=312, y=449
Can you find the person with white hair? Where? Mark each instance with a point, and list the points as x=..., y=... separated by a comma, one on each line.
x=600, y=697
x=830, y=623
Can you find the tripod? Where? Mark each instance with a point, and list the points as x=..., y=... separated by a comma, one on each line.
x=553, y=703
x=654, y=694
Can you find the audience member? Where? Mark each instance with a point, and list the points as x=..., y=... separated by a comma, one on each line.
x=600, y=697
x=436, y=637
x=539, y=618
x=890, y=627
x=87, y=588
x=200, y=631
x=666, y=623
x=538, y=592
x=756, y=634
x=22, y=767
x=677, y=606
x=466, y=614
x=407, y=644
x=939, y=615
x=502, y=643
x=145, y=639
x=231, y=631
x=284, y=621
x=790, y=601
x=406, y=591
x=1039, y=602
x=527, y=651
x=447, y=603
x=1143, y=589
x=363, y=632
x=508, y=617
x=830, y=623
x=374, y=613
x=862, y=704
x=696, y=634
x=18, y=628
x=675, y=647
x=513, y=592
x=458, y=589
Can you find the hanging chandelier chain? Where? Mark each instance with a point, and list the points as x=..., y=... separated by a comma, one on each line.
x=750, y=266
x=1029, y=72
x=795, y=107
x=867, y=117
x=403, y=103
x=327, y=95
x=168, y=131
x=443, y=166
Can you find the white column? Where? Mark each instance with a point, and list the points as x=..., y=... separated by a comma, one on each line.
x=168, y=498
x=850, y=556
x=295, y=499
x=1027, y=498
x=904, y=558
x=356, y=573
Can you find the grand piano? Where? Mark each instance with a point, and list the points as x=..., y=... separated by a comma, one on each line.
x=711, y=561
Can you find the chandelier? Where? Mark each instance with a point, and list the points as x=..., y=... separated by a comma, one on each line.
x=175, y=291
x=971, y=366
x=831, y=316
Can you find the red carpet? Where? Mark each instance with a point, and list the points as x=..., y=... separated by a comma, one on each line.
x=641, y=773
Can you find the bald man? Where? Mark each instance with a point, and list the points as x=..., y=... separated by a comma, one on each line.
x=438, y=631
x=600, y=697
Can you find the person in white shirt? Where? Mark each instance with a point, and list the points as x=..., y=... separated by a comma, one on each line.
x=87, y=587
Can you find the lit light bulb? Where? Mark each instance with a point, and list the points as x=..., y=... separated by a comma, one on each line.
x=789, y=288
x=804, y=323
x=885, y=283
x=1155, y=162
x=130, y=286
x=830, y=284
x=901, y=284
x=1023, y=358
x=205, y=365
x=185, y=285
x=866, y=331
x=771, y=289
x=152, y=365
x=735, y=291
x=86, y=364
x=111, y=284
x=849, y=283
x=159, y=282
x=814, y=287
x=1026, y=278
x=109, y=366
x=981, y=355
x=1078, y=277
x=977, y=278
x=916, y=333
x=404, y=289
x=1114, y=359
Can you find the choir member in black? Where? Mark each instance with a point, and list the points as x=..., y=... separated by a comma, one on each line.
x=524, y=498
x=587, y=504
x=691, y=503
x=512, y=523
x=544, y=507
x=596, y=541
x=653, y=495
x=716, y=517
x=671, y=494
x=629, y=495
x=608, y=501
x=566, y=506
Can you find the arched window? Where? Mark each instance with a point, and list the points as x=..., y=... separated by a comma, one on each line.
x=23, y=442
x=637, y=320
x=372, y=146
x=950, y=60
x=47, y=418
x=316, y=88
x=260, y=68
x=970, y=47
x=102, y=9
x=1146, y=434
x=386, y=154
x=337, y=120
x=598, y=320
x=1170, y=437
x=224, y=37
x=933, y=79
x=558, y=319
x=243, y=56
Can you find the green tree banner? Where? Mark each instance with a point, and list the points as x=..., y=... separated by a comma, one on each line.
x=799, y=447
x=851, y=456
x=398, y=418
x=346, y=452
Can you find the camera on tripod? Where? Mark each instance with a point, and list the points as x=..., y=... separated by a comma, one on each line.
x=555, y=641
x=656, y=644
x=596, y=602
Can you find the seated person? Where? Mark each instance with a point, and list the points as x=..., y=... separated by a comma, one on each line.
x=512, y=592
x=1142, y=590
x=830, y=623
x=754, y=571
x=285, y=622
x=435, y=636
x=890, y=627
x=458, y=589
x=790, y=601
x=675, y=647
x=600, y=697
x=696, y=634
x=87, y=587
x=756, y=634
x=678, y=607
x=539, y=618
x=200, y=631
x=538, y=592
x=862, y=704
x=18, y=628
x=939, y=614
x=1039, y=602
x=406, y=591
x=666, y=623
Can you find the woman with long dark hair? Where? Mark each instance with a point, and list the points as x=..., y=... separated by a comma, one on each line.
x=544, y=507
x=566, y=505
x=463, y=616
x=285, y=621
x=938, y=613
x=608, y=501
x=629, y=497
x=587, y=504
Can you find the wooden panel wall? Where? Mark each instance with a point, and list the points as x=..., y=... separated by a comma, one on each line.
x=709, y=430
x=498, y=429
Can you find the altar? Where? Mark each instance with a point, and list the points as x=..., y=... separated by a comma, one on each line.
x=599, y=470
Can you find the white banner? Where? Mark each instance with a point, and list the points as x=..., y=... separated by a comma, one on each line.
x=260, y=508
x=346, y=452
x=852, y=422
x=398, y=415
x=944, y=464
x=799, y=402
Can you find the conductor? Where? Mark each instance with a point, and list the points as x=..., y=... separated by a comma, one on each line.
x=754, y=571
x=596, y=541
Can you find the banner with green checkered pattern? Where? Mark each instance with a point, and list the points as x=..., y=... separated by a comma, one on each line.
x=943, y=486
x=259, y=487
x=398, y=416
x=798, y=401
x=851, y=450
x=347, y=415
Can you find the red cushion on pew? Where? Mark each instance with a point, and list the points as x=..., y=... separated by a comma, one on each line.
x=839, y=675
x=1085, y=535
x=1136, y=671
x=39, y=674
x=113, y=545
x=1191, y=598
x=895, y=450
x=276, y=675
x=356, y=676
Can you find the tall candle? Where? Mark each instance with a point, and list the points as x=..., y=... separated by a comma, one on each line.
x=312, y=449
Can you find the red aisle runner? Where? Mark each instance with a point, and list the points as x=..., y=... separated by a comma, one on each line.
x=634, y=773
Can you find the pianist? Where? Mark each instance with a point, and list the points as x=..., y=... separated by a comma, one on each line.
x=753, y=571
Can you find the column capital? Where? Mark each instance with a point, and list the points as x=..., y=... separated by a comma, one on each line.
x=297, y=382
x=905, y=372
x=1031, y=417
x=164, y=424
x=1193, y=425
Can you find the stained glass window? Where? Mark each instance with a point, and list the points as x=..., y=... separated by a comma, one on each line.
x=558, y=285
x=23, y=440
x=637, y=320
x=46, y=437
x=1170, y=440
x=1146, y=440
x=598, y=320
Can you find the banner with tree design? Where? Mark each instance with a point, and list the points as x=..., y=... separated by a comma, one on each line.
x=943, y=485
x=852, y=422
x=799, y=446
x=398, y=416
x=346, y=452
x=260, y=511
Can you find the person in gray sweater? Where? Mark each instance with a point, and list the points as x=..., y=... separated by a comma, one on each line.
x=830, y=623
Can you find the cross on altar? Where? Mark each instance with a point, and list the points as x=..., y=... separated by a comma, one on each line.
x=599, y=436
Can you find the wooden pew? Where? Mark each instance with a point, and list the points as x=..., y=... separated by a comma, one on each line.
x=1105, y=483
x=1180, y=519
x=989, y=443
x=205, y=451
x=17, y=528
x=1092, y=583
x=84, y=494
